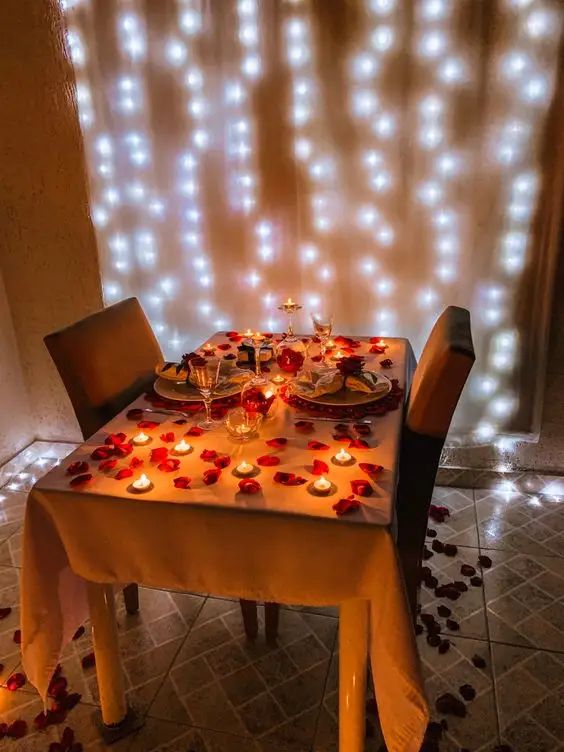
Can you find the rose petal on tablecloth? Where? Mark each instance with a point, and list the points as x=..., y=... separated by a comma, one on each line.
x=377, y=349
x=222, y=461
x=159, y=454
x=268, y=460
x=78, y=467
x=81, y=480
x=306, y=426
x=224, y=346
x=320, y=467
x=183, y=481
x=134, y=414
x=289, y=479
x=102, y=453
x=194, y=431
x=346, y=505
x=208, y=455
x=317, y=446
x=122, y=450
x=370, y=468
x=115, y=438
x=167, y=437
x=136, y=462
x=361, y=487
x=107, y=465
x=387, y=363
x=148, y=424
x=359, y=444
x=249, y=486
x=342, y=437
x=169, y=466
x=363, y=429
x=211, y=476
x=125, y=472
x=277, y=443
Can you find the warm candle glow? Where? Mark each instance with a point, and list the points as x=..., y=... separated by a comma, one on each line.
x=208, y=347
x=141, y=439
x=322, y=484
x=289, y=302
x=248, y=333
x=244, y=468
x=183, y=447
x=142, y=483
x=330, y=344
x=278, y=379
x=343, y=456
x=338, y=355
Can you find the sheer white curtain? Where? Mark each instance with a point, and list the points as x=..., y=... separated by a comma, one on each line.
x=379, y=158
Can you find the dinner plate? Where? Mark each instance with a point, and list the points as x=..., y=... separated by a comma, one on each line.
x=183, y=392
x=345, y=397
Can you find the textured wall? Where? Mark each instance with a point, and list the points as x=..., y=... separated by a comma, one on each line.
x=18, y=430
x=47, y=248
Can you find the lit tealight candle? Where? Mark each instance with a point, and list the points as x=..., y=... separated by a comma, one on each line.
x=142, y=484
x=338, y=355
x=248, y=333
x=330, y=344
x=322, y=485
x=289, y=302
x=258, y=337
x=342, y=457
x=278, y=379
x=183, y=447
x=245, y=468
x=141, y=439
x=208, y=347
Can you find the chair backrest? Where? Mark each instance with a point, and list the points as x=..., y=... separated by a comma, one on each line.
x=438, y=381
x=105, y=360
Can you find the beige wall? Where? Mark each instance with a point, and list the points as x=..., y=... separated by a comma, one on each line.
x=48, y=254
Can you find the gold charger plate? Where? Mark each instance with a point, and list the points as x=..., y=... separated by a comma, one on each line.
x=346, y=398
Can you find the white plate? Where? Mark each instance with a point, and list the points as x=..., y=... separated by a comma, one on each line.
x=183, y=392
x=347, y=398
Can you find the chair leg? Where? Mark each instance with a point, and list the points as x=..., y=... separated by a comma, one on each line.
x=250, y=618
x=131, y=598
x=271, y=618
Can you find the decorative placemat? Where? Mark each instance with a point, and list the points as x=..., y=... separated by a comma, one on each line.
x=380, y=407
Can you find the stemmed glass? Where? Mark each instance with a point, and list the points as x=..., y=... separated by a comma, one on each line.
x=290, y=308
x=205, y=377
x=322, y=327
x=258, y=339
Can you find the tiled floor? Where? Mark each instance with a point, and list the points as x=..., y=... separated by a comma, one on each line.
x=203, y=687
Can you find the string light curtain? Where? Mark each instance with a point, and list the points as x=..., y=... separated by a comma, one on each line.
x=379, y=159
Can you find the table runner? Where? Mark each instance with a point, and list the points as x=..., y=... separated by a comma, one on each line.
x=279, y=545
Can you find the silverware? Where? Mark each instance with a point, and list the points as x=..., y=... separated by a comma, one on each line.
x=333, y=420
x=168, y=412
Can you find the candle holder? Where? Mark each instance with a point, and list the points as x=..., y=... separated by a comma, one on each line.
x=136, y=489
x=343, y=463
x=242, y=425
x=251, y=474
x=142, y=439
x=332, y=489
x=290, y=308
x=184, y=450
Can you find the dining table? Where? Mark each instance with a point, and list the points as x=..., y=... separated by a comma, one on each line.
x=87, y=531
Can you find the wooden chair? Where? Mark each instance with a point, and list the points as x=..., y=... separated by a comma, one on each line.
x=105, y=361
x=438, y=381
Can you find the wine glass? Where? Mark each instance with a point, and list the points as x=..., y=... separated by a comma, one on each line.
x=322, y=327
x=204, y=374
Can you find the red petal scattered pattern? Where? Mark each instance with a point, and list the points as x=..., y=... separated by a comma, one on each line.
x=122, y=450
x=208, y=455
x=15, y=681
x=76, y=468
x=359, y=444
x=223, y=461
x=377, y=350
x=289, y=479
x=347, y=505
x=304, y=425
x=125, y=472
x=115, y=438
x=159, y=454
x=18, y=636
x=107, y=465
x=194, y=431
x=387, y=363
x=135, y=462
x=4, y=612
x=249, y=486
x=167, y=437
x=363, y=429
x=370, y=469
x=81, y=480
x=317, y=446
x=268, y=460
x=102, y=453
x=320, y=467
x=17, y=729
x=169, y=466
x=134, y=414
x=183, y=481
x=224, y=346
x=148, y=424
x=361, y=487
x=211, y=476
x=180, y=421
x=277, y=443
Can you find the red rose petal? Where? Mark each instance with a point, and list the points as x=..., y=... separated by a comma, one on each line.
x=277, y=443
x=134, y=414
x=17, y=729
x=317, y=446
x=359, y=444
x=58, y=687
x=15, y=681
x=345, y=506
x=78, y=634
x=212, y=476
x=107, y=465
x=101, y=453
x=370, y=469
x=194, y=431
x=320, y=467
x=148, y=424
x=159, y=454
x=122, y=450
x=81, y=480
x=223, y=461
x=183, y=481
x=125, y=472
x=361, y=487
x=341, y=437
x=485, y=561
x=18, y=636
x=224, y=346
x=76, y=468
x=377, y=349
x=169, y=466
x=249, y=486
x=136, y=462
x=71, y=700
x=115, y=438
x=387, y=363
x=230, y=356
x=88, y=660
x=304, y=425
x=167, y=437
x=364, y=429
x=4, y=612
x=289, y=479
x=208, y=455
x=268, y=460
x=180, y=421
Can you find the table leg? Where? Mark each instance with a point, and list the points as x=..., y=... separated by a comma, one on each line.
x=353, y=656
x=106, y=649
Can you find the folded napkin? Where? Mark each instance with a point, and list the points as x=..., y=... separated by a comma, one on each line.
x=315, y=383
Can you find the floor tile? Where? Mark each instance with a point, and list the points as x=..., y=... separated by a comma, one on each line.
x=11, y=549
x=530, y=696
x=460, y=527
x=531, y=524
x=9, y=597
x=23, y=706
x=222, y=681
x=525, y=599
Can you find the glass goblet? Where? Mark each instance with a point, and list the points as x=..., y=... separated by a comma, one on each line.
x=322, y=327
x=204, y=374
